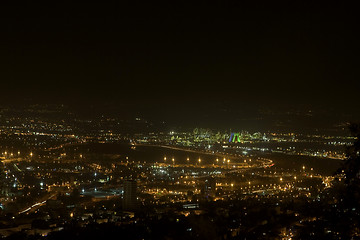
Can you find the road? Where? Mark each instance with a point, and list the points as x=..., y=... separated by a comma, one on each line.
x=37, y=205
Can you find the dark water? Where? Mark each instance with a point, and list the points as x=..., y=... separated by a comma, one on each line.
x=324, y=166
x=152, y=154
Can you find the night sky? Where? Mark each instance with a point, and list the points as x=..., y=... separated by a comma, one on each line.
x=159, y=55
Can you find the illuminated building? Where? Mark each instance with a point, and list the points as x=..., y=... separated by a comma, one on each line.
x=234, y=137
x=210, y=187
x=130, y=199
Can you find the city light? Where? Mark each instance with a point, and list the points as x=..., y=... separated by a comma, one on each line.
x=265, y=87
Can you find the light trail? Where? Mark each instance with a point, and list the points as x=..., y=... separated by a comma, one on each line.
x=35, y=205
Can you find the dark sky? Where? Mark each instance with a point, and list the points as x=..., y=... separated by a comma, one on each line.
x=160, y=54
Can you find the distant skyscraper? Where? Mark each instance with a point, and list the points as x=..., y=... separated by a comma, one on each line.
x=130, y=198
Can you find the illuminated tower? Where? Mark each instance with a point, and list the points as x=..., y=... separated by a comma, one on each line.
x=210, y=187
x=130, y=199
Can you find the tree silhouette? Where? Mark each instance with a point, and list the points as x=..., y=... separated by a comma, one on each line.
x=351, y=167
